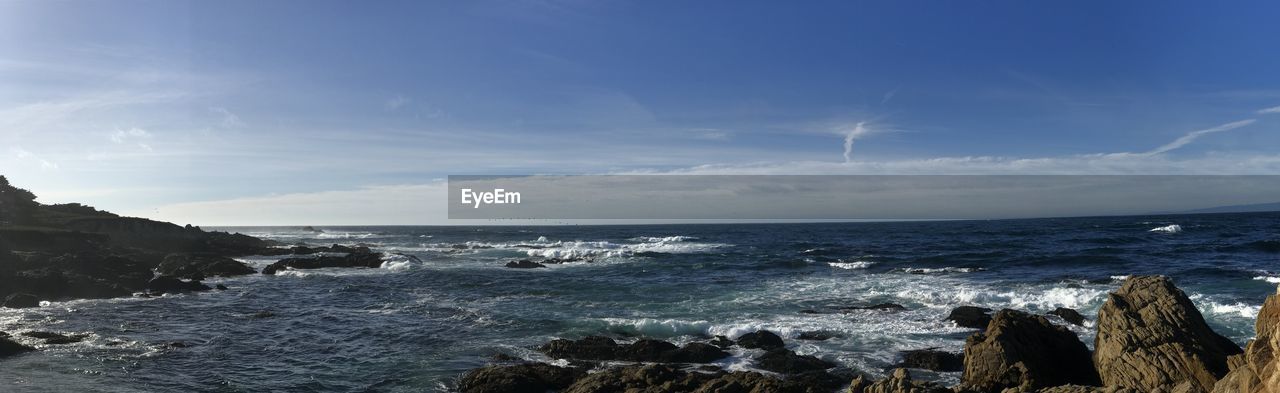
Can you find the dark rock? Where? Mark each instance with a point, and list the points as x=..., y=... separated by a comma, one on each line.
x=762, y=339
x=557, y=261
x=199, y=266
x=810, y=311
x=262, y=314
x=169, y=284
x=519, y=378
x=1071, y=316
x=815, y=336
x=21, y=300
x=898, y=382
x=1025, y=352
x=503, y=358
x=640, y=378
x=220, y=287
x=721, y=342
x=644, y=350
x=9, y=347
x=52, y=338
x=177, y=344
x=970, y=317
x=933, y=360
x=358, y=257
x=524, y=264
x=1151, y=337
x=588, y=348
x=881, y=306
x=785, y=361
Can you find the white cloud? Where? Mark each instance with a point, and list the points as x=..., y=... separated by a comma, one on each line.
x=859, y=130
x=121, y=136
x=396, y=102
x=229, y=119
x=1271, y=110
x=1191, y=136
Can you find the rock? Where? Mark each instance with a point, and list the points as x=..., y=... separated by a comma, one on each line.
x=1086, y=389
x=9, y=347
x=815, y=336
x=1151, y=337
x=932, y=359
x=644, y=350
x=220, y=287
x=785, y=361
x=1071, y=316
x=640, y=378
x=1257, y=370
x=524, y=264
x=970, y=317
x=1025, y=352
x=762, y=339
x=503, y=358
x=721, y=342
x=898, y=382
x=810, y=311
x=519, y=378
x=262, y=314
x=52, y=338
x=199, y=266
x=21, y=300
x=881, y=306
x=357, y=257
x=170, y=284
x=177, y=344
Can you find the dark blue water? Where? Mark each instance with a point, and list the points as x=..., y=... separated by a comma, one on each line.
x=411, y=326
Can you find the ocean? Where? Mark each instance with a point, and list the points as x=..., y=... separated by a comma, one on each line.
x=416, y=325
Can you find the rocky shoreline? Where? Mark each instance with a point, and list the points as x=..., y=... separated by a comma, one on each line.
x=1151, y=338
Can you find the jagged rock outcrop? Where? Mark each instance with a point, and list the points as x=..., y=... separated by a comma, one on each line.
x=1256, y=370
x=1025, y=352
x=9, y=347
x=1151, y=338
x=933, y=359
x=785, y=361
x=659, y=378
x=898, y=382
x=1087, y=389
x=200, y=266
x=519, y=378
x=1071, y=316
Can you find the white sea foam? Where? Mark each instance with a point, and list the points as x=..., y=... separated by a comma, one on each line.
x=1241, y=309
x=651, y=239
x=605, y=249
x=854, y=265
x=1174, y=228
x=345, y=235
x=1119, y=278
x=1270, y=279
x=949, y=269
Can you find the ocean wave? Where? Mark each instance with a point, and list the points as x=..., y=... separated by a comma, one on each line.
x=666, y=239
x=1270, y=279
x=346, y=235
x=1174, y=228
x=852, y=265
x=605, y=249
x=936, y=270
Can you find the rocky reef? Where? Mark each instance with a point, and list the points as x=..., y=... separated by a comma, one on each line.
x=1150, y=338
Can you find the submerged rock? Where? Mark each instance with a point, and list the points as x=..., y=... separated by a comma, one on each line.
x=51, y=338
x=933, y=360
x=524, y=264
x=360, y=257
x=762, y=339
x=721, y=342
x=1151, y=337
x=519, y=378
x=815, y=336
x=970, y=317
x=898, y=382
x=1257, y=369
x=1071, y=316
x=881, y=307
x=9, y=347
x=21, y=300
x=1025, y=352
x=170, y=284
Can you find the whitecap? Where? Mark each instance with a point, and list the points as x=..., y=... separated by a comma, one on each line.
x=1270, y=279
x=1174, y=228
x=852, y=265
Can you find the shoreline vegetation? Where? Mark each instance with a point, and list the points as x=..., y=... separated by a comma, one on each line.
x=1150, y=337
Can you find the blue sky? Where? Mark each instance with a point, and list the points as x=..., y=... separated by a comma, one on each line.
x=224, y=112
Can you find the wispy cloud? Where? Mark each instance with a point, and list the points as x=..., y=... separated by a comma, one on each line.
x=1191, y=136
x=859, y=130
x=396, y=102
x=1271, y=110
x=122, y=135
x=24, y=155
x=229, y=119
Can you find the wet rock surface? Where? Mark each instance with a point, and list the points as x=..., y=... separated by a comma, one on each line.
x=1025, y=352
x=970, y=317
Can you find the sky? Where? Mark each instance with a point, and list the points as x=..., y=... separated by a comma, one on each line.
x=323, y=112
